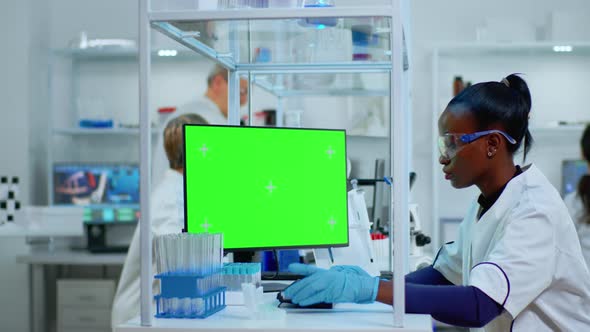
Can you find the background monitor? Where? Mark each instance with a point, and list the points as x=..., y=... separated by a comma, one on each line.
x=571, y=172
x=110, y=192
x=266, y=188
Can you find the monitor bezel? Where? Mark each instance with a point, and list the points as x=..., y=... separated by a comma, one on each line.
x=185, y=227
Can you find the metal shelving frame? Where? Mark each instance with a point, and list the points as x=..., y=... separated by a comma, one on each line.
x=77, y=58
x=399, y=147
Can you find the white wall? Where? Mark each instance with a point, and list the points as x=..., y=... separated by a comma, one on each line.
x=14, y=149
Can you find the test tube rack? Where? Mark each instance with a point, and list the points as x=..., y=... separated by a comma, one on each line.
x=182, y=297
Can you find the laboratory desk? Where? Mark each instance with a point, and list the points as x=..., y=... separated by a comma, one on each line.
x=37, y=260
x=343, y=317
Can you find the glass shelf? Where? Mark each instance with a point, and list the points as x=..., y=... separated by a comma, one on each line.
x=324, y=84
x=124, y=53
x=558, y=129
x=557, y=48
x=285, y=39
x=99, y=131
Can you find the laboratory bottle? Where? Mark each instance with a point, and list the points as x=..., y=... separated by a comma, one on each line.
x=458, y=85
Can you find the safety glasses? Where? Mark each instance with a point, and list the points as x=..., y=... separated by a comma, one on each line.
x=451, y=143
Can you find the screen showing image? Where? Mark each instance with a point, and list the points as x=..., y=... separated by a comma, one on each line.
x=95, y=184
x=571, y=172
x=266, y=187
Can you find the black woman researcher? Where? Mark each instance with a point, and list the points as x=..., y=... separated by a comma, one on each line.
x=516, y=264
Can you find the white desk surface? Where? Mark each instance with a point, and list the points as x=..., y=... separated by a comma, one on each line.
x=71, y=257
x=344, y=317
x=15, y=230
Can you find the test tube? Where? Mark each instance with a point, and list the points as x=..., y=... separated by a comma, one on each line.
x=219, y=260
x=163, y=257
x=259, y=274
x=207, y=261
x=200, y=254
x=213, y=261
x=209, y=254
x=233, y=276
x=224, y=273
x=169, y=253
x=157, y=253
x=247, y=273
x=179, y=253
x=220, y=248
x=188, y=266
x=186, y=307
x=195, y=251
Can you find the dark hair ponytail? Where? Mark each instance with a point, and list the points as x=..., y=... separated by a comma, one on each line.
x=507, y=103
x=516, y=83
x=584, y=184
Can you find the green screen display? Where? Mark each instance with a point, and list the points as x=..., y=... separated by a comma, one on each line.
x=266, y=187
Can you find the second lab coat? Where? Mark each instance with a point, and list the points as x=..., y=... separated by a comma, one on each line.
x=167, y=216
x=574, y=204
x=524, y=254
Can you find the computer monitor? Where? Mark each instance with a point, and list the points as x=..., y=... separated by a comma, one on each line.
x=109, y=192
x=266, y=188
x=571, y=172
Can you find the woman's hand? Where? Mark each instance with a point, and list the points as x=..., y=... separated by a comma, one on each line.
x=339, y=284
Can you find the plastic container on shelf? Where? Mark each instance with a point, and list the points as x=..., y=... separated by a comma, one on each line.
x=164, y=114
x=320, y=46
x=92, y=114
x=284, y=3
x=293, y=118
x=458, y=85
x=362, y=39
x=318, y=22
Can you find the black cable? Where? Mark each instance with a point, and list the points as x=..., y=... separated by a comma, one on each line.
x=275, y=276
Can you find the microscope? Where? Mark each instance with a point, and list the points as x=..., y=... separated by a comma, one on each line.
x=379, y=216
x=417, y=258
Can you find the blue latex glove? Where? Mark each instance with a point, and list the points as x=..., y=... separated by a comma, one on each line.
x=304, y=269
x=339, y=284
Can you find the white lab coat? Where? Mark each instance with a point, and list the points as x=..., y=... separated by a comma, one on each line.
x=523, y=253
x=576, y=208
x=203, y=107
x=167, y=216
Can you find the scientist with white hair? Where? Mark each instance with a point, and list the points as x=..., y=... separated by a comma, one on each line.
x=213, y=107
